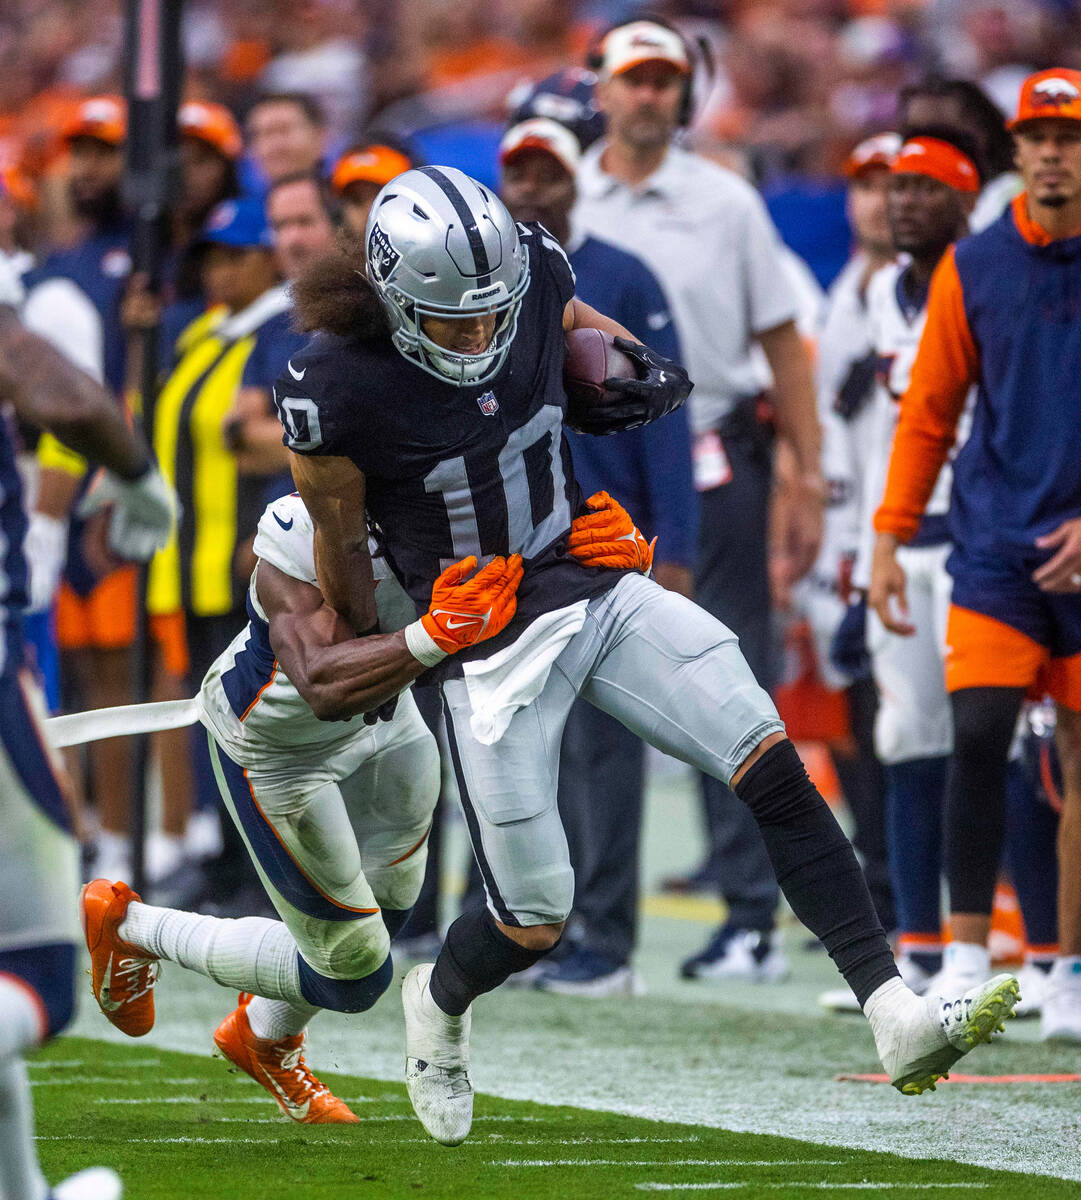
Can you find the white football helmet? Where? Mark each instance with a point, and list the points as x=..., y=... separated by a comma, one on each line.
x=440, y=244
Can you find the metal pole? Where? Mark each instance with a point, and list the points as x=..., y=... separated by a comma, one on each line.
x=153, y=72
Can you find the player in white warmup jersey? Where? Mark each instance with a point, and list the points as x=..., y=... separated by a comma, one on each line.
x=933, y=185
x=39, y=853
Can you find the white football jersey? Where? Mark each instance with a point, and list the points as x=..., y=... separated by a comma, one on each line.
x=896, y=326
x=248, y=702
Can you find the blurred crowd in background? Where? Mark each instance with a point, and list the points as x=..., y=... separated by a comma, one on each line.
x=791, y=84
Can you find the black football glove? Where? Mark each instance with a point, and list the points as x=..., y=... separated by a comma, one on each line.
x=661, y=387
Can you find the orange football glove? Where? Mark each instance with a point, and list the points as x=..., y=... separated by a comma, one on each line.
x=607, y=537
x=466, y=611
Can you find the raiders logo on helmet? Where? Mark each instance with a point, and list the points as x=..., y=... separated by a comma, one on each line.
x=382, y=257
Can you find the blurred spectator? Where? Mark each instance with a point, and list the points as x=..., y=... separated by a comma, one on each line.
x=18, y=201
x=243, y=340
x=287, y=134
x=693, y=222
x=959, y=104
x=358, y=177
x=320, y=54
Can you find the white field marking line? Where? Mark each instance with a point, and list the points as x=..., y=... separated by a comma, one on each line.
x=52, y=1064
x=675, y=1162
x=72, y=1080
x=207, y=1099
x=168, y=1141
x=746, y=1183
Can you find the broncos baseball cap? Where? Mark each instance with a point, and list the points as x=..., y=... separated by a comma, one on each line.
x=376, y=164
x=937, y=160
x=241, y=223
x=541, y=133
x=1055, y=93
x=877, y=151
x=628, y=46
x=213, y=124
x=102, y=117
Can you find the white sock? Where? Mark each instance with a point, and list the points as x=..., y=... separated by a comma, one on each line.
x=252, y=954
x=20, y=1174
x=278, y=1019
x=967, y=958
x=114, y=854
x=887, y=1000
x=22, y=1022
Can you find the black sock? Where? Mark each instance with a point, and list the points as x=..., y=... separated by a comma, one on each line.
x=816, y=867
x=476, y=957
x=984, y=720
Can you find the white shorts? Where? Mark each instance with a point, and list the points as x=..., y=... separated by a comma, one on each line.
x=914, y=718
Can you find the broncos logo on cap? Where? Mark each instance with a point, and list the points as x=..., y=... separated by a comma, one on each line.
x=1054, y=92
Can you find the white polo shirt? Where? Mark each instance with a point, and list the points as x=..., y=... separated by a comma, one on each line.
x=706, y=235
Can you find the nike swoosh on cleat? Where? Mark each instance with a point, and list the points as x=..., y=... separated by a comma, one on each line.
x=297, y=1111
x=297, y=375
x=286, y=525
x=109, y=1005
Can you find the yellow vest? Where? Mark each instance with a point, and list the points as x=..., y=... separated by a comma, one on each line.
x=195, y=570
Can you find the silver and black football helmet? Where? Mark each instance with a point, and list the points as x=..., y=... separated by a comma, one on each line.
x=440, y=244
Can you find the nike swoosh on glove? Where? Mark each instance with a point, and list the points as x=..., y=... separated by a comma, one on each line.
x=465, y=611
x=661, y=387
x=145, y=512
x=607, y=537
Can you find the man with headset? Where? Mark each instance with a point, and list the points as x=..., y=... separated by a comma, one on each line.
x=705, y=234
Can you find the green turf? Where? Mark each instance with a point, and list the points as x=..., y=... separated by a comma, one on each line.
x=206, y=1132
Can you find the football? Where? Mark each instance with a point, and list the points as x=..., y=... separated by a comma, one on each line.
x=591, y=359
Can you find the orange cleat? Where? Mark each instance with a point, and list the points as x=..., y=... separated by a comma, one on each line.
x=122, y=976
x=280, y=1068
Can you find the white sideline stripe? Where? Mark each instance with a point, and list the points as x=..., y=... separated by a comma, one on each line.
x=73, y=729
x=675, y=1162
x=745, y=1183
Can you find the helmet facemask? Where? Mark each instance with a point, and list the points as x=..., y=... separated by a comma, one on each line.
x=463, y=370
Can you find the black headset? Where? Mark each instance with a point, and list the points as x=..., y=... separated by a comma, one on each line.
x=699, y=57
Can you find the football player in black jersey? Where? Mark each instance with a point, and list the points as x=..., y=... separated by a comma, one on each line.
x=430, y=409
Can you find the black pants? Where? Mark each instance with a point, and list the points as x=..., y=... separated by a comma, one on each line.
x=732, y=583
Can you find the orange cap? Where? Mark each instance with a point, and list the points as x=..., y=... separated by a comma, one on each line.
x=213, y=124
x=877, y=151
x=15, y=184
x=101, y=117
x=368, y=164
x=938, y=160
x=1054, y=93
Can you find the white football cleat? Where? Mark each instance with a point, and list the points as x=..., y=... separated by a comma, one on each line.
x=1061, y=1016
x=920, y=1038
x=95, y=1183
x=436, y=1061
x=843, y=999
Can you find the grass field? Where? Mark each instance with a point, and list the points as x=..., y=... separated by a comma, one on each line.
x=181, y=1125
x=689, y=1089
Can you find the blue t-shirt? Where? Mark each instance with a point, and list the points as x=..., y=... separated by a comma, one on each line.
x=648, y=470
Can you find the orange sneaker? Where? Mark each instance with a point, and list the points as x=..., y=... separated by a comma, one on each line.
x=280, y=1068
x=122, y=976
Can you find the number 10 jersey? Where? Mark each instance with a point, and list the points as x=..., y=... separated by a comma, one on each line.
x=457, y=470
